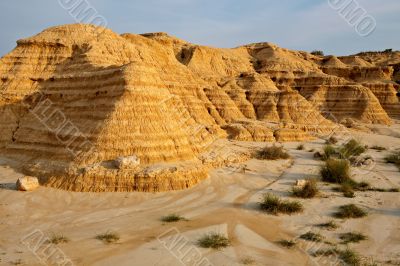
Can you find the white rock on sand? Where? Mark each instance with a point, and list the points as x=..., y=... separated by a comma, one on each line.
x=27, y=183
x=130, y=162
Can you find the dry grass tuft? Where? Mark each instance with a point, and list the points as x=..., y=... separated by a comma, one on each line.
x=311, y=236
x=352, y=148
x=287, y=243
x=273, y=153
x=331, y=225
x=335, y=171
x=274, y=205
x=213, y=240
x=310, y=190
x=393, y=158
x=108, y=238
x=171, y=218
x=352, y=237
x=58, y=239
x=350, y=211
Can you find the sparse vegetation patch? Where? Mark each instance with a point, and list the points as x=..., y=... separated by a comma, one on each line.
x=308, y=191
x=108, y=238
x=311, y=236
x=213, y=240
x=171, y=218
x=352, y=237
x=335, y=171
x=274, y=205
x=58, y=239
x=350, y=211
x=273, y=153
x=331, y=225
x=287, y=243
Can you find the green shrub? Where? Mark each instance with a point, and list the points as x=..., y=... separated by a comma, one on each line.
x=273, y=153
x=213, y=240
x=310, y=190
x=109, y=237
x=171, y=218
x=352, y=148
x=352, y=237
x=350, y=211
x=274, y=205
x=335, y=171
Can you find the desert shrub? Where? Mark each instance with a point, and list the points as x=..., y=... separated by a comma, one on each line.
x=335, y=171
x=352, y=237
x=247, y=261
x=352, y=148
x=350, y=211
x=331, y=225
x=347, y=190
x=326, y=252
x=300, y=147
x=329, y=151
x=310, y=190
x=274, y=205
x=58, y=239
x=287, y=243
x=332, y=140
x=108, y=238
x=350, y=257
x=311, y=236
x=393, y=158
x=317, y=53
x=273, y=153
x=213, y=240
x=171, y=218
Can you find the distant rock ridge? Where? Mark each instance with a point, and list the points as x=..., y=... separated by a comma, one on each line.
x=167, y=102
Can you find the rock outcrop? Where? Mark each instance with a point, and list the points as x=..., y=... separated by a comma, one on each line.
x=75, y=99
x=27, y=183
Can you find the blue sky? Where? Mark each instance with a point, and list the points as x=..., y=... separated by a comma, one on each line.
x=295, y=24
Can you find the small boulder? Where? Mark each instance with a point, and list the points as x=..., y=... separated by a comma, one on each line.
x=318, y=155
x=27, y=183
x=130, y=162
x=301, y=183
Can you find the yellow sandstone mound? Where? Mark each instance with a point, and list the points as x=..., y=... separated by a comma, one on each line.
x=86, y=109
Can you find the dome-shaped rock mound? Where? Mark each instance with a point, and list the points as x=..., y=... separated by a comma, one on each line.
x=77, y=100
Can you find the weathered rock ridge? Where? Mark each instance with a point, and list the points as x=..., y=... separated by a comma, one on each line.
x=75, y=98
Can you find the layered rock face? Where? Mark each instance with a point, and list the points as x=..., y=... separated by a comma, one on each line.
x=76, y=99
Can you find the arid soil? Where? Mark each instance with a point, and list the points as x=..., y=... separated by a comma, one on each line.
x=226, y=202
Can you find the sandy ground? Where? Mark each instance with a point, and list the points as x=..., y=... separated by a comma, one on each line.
x=224, y=203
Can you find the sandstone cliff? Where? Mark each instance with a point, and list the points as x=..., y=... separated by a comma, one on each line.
x=75, y=98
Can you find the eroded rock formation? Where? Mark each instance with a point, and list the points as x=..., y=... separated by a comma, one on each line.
x=75, y=98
